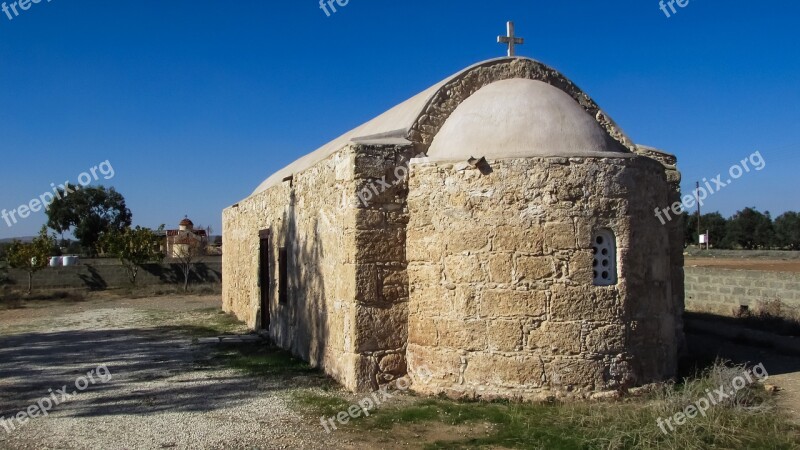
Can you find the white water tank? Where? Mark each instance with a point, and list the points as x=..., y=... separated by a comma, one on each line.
x=70, y=261
x=55, y=261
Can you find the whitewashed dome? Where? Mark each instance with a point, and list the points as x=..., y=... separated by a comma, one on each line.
x=519, y=108
x=519, y=118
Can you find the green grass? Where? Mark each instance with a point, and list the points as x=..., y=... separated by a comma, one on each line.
x=213, y=322
x=326, y=405
x=199, y=323
x=265, y=360
x=13, y=299
x=136, y=292
x=750, y=420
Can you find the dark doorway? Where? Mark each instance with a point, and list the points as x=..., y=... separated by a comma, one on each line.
x=263, y=276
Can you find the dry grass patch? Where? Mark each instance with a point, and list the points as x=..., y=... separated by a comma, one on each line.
x=748, y=420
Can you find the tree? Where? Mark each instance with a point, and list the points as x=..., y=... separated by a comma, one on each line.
x=787, y=230
x=186, y=252
x=714, y=223
x=31, y=257
x=750, y=229
x=133, y=247
x=88, y=213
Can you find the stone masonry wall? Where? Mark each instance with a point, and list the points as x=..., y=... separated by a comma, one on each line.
x=111, y=274
x=381, y=275
x=723, y=291
x=500, y=276
x=313, y=216
x=676, y=229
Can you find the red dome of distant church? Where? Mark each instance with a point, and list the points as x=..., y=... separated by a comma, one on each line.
x=187, y=223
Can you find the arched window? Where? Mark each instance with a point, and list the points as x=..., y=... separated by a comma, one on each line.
x=604, y=244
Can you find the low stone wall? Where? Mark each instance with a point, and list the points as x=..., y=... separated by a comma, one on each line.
x=105, y=275
x=723, y=291
x=742, y=254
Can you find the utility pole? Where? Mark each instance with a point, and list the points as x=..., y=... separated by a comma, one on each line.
x=697, y=196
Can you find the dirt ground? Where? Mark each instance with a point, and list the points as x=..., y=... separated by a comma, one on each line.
x=772, y=265
x=161, y=393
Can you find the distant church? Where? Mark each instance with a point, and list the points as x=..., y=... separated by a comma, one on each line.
x=497, y=229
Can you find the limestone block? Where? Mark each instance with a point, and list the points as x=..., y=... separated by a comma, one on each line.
x=370, y=219
x=463, y=269
x=575, y=373
x=467, y=239
x=507, y=303
x=380, y=245
x=500, y=267
x=366, y=282
x=459, y=303
x=366, y=374
x=370, y=166
x=581, y=270
x=394, y=284
x=443, y=366
x=469, y=335
x=428, y=301
x=505, y=335
x=496, y=370
x=532, y=268
x=610, y=339
x=560, y=236
x=422, y=331
x=557, y=338
x=644, y=333
x=381, y=328
x=344, y=166
x=424, y=274
x=511, y=238
x=394, y=364
x=574, y=303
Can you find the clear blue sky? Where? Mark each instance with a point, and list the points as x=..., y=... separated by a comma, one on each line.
x=194, y=103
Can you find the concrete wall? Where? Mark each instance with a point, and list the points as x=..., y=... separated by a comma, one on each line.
x=110, y=274
x=723, y=291
x=502, y=300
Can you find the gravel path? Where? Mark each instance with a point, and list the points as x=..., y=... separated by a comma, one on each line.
x=158, y=396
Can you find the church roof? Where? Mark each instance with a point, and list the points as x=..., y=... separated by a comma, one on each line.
x=391, y=125
x=531, y=103
x=519, y=118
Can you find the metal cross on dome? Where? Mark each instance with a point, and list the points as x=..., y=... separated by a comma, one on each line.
x=511, y=40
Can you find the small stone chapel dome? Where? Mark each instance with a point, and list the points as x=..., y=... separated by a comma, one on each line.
x=186, y=224
x=520, y=118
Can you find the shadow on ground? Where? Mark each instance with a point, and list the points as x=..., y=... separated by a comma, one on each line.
x=703, y=349
x=153, y=370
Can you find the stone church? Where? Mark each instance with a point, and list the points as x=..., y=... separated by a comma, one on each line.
x=496, y=231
